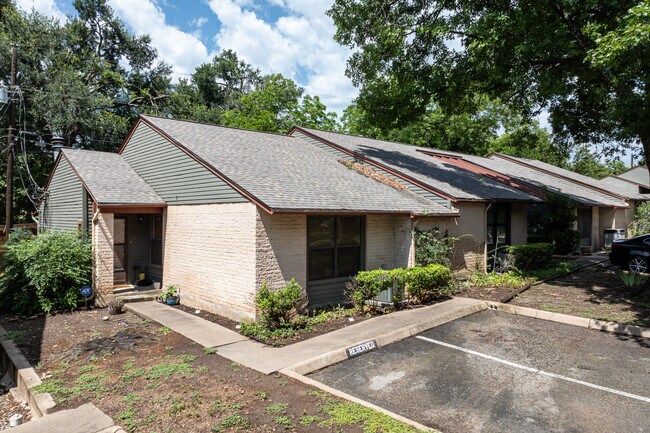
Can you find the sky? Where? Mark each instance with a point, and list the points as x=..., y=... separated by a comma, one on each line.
x=291, y=37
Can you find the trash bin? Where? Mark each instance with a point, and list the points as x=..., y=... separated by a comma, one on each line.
x=611, y=234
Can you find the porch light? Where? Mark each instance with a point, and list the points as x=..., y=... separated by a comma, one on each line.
x=4, y=93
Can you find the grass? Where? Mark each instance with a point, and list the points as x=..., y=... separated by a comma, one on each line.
x=509, y=280
x=13, y=335
x=284, y=421
x=276, y=408
x=210, y=350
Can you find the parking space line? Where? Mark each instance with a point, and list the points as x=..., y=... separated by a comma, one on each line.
x=536, y=370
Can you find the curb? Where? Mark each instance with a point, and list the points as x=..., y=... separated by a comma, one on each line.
x=25, y=377
x=583, y=322
x=343, y=395
x=338, y=355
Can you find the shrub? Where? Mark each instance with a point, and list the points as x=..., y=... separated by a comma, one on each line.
x=276, y=307
x=430, y=282
x=44, y=273
x=558, y=222
x=641, y=223
x=532, y=256
x=433, y=248
x=422, y=284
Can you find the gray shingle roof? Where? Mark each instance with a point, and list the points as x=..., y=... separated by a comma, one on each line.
x=110, y=179
x=575, y=191
x=289, y=174
x=637, y=174
x=623, y=187
x=446, y=178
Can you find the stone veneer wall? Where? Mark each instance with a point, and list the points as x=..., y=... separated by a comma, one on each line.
x=210, y=254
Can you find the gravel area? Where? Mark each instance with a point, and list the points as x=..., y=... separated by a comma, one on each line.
x=9, y=405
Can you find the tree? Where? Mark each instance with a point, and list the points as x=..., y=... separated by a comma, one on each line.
x=586, y=163
x=584, y=62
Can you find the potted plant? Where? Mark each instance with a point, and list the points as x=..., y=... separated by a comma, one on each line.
x=115, y=307
x=170, y=295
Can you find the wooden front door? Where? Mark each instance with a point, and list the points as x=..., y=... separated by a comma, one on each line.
x=120, y=247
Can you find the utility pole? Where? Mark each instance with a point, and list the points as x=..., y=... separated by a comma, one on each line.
x=9, y=210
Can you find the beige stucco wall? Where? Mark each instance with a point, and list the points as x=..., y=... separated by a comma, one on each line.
x=210, y=254
x=613, y=218
x=518, y=224
x=103, y=253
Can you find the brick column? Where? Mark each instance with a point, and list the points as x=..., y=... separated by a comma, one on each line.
x=103, y=253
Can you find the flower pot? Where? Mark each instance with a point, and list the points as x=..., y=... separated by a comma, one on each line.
x=172, y=300
x=156, y=285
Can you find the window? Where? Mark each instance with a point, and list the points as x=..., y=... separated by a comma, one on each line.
x=498, y=225
x=156, y=240
x=334, y=245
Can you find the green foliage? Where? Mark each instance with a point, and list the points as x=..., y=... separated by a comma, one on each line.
x=588, y=164
x=169, y=291
x=510, y=280
x=276, y=408
x=531, y=256
x=44, y=273
x=641, y=223
x=344, y=414
x=431, y=248
x=421, y=284
x=276, y=307
x=559, y=221
x=587, y=66
x=633, y=279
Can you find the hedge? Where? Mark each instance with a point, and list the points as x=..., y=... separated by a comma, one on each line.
x=532, y=256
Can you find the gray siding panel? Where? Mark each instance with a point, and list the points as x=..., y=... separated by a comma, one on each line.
x=411, y=187
x=326, y=292
x=63, y=206
x=174, y=175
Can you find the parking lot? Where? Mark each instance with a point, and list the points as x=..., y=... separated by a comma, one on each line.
x=497, y=372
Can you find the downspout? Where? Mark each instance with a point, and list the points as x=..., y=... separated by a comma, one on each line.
x=485, y=240
x=414, y=223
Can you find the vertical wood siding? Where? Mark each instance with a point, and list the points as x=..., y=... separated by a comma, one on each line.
x=63, y=206
x=175, y=176
x=411, y=187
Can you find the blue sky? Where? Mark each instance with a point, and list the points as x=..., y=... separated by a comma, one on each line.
x=291, y=37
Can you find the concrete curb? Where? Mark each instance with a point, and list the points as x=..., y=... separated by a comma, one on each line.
x=583, y=322
x=25, y=377
x=343, y=395
x=338, y=355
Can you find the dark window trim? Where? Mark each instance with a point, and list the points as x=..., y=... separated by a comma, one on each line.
x=493, y=227
x=154, y=239
x=362, y=246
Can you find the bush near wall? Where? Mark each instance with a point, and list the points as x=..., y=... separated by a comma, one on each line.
x=532, y=256
x=421, y=284
x=44, y=273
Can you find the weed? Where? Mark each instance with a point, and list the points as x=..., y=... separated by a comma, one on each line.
x=283, y=382
x=314, y=393
x=236, y=406
x=88, y=369
x=167, y=370
x=128, y=366
x=262, y=395
x=202, y=368
x=276, y=408
x=176, y=408
x=169, y=348
x=165, y=330
x=13, y=335
x=132, y=398
x=306, y=420
x=284, y=421
x=369, y=420
x=210, y=350
x=90, y=378
x=128, y=416
x=236, y=420
x=187, y=358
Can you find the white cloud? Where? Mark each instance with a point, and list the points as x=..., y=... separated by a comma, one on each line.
x=183, y=51
x=199, y=22
x=46, y=7
x=302, y=41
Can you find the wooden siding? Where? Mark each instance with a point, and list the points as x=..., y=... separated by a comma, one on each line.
x=63, y=206
x=174, y=175
x=411, y=187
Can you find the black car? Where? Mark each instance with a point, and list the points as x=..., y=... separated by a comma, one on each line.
x=632, y=254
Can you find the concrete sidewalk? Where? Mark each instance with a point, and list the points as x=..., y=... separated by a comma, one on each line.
x=309, y=354
x=84, y=419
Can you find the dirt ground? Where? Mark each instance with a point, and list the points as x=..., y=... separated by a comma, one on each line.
x=595, y=293
x=150, y=379
x=485, y=293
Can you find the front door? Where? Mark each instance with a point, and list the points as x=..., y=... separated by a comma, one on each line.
x=119, y=246
x=584, y=226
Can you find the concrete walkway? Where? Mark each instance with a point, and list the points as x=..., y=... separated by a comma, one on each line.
x=309, y=354
x=84, y=419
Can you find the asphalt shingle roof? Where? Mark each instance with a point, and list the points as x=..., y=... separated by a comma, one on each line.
x=623, y=187
x=289, y=174
x=110, y=179
x=446, y=178
x=637, y=174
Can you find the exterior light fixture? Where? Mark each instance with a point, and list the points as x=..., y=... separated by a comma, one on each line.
x=4, y=93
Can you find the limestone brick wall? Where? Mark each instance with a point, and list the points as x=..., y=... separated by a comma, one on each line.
x=404, y=243
x=380, y=240
x=103, y=253
x=281, y=249
x=210, y=254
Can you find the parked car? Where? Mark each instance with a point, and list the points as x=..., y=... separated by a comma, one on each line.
x=632, y=254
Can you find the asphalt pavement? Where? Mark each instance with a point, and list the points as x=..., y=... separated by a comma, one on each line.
x=497, y=372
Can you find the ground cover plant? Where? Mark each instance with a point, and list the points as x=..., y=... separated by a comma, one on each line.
x=163, y=382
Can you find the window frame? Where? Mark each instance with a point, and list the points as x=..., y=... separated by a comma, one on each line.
x=336, y=247
x=493, y=228
x=155, y=239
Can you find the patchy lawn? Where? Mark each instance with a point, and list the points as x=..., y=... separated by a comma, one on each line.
x=150, y=379
x=595, y=293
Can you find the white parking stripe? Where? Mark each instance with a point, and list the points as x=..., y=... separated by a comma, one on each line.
x=535, y=370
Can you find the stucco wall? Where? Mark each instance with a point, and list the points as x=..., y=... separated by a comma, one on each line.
x=610, y=218
x=471, y=226
x=103, y=253
x=210, y=254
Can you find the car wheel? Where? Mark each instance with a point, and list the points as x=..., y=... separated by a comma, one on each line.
x=638, y=265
